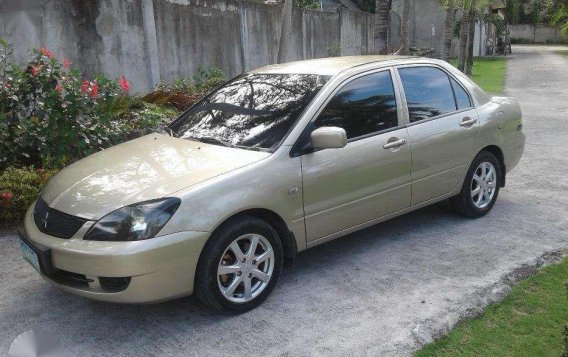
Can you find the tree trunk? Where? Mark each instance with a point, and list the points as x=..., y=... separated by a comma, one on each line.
x=464, y=29
x=404, y=27
x=470, y=40
x=448, y=32
x=382, y=14
x=285, y=31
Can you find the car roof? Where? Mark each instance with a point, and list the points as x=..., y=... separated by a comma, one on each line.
x=329, y=66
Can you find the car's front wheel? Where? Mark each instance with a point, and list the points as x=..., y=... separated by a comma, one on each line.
x=239, y=265
x=480, y=188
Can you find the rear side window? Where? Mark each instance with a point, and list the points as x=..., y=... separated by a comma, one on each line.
x=363, y=106
x=462, y=99
x=428, y=92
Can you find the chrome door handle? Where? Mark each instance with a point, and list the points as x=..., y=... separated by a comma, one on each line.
x=394, y=144
x=467, y=121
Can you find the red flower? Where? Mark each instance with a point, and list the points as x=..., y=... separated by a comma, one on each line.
x=124, y=84
x=6, y=198
x=35, y=70
x=47, y=53
x=94, y=90
x=59, y=88
x=85, y=86
x=66, y=63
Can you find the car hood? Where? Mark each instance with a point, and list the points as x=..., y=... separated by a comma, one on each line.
x=149, y=167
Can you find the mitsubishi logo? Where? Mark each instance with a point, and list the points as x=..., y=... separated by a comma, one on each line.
x=44, y=221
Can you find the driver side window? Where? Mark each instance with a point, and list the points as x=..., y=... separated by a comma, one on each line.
x=363, y=106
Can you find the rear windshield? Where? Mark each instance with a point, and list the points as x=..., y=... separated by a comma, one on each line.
x=251, y=111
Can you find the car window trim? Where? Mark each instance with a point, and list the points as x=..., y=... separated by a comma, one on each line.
x=457, y=111
x=454, y=91
x=439, y=117
x=296, y=151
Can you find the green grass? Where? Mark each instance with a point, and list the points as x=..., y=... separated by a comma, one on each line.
x=563, y=53
x=528, y=322
x=489, y=73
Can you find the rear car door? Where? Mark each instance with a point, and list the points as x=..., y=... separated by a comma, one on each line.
x=443, y=129
x=365, y=179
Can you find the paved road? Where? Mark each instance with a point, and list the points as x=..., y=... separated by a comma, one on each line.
x=383, y=291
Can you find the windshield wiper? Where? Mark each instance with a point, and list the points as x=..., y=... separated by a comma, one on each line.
x=211, y=140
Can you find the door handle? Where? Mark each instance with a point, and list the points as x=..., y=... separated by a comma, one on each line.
x=395, y=143
x=467, y=121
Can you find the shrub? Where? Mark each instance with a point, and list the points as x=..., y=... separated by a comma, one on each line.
x=184, y=92
x=49, y=117
x=19, y=188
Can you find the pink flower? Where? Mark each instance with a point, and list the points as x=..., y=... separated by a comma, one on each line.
x=46, y=52
x=59, y=88
x=35, y=70
x=7, y=85
x=85, y=86
x=94, y=90
x=6, y=198
x=124, y=84
x=66, y=63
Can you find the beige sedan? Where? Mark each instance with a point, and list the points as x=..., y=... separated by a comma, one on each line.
x=275, y=161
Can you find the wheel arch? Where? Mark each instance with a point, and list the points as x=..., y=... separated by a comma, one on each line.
x=289, y=245
x=496, y=150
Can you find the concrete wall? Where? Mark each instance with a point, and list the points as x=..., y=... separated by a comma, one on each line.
x=424, y=16
x=537, y=33
x=147, y=40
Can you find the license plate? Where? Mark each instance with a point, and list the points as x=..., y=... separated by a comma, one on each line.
x=29, y=255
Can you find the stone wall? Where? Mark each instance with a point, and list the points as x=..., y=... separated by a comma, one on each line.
x=148, y=40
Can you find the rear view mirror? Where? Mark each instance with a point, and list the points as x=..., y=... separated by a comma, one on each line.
x=328, y=137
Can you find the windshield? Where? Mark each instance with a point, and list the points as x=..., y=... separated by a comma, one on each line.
x=252, y=111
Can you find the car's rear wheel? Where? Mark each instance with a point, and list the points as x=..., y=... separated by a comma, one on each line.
x=239, y=265
x=480, y=188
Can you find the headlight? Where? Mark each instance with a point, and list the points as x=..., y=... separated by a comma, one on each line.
x=135, y=222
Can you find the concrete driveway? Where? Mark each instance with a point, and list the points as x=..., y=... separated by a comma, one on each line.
x=383, y=291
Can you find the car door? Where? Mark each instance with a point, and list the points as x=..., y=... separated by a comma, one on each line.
x=443, y=129
x=370, y=176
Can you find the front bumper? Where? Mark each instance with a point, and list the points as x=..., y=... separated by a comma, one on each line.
x=156, y=269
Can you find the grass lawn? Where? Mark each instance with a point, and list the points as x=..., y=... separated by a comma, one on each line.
x=489, y=73
x=528, y=322
x=564, y=53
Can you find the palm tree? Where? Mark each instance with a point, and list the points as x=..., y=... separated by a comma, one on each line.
x=404, y=27
x=451, y=10
x=382, y=15
x=464, y=32
x=470, y=38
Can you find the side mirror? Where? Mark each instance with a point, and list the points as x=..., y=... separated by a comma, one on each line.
x=328, y=137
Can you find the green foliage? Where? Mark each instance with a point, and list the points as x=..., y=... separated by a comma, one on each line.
x=530, y=321
x=19, y=188
x=184, y=92
x=307, y=4
x=48, y=117
x=538, y=11
x=208, y=78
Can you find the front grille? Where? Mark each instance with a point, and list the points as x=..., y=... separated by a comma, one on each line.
x=54, y=222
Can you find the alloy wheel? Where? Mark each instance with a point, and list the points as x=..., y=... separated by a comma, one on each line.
x=245, y=268
x=483, y=185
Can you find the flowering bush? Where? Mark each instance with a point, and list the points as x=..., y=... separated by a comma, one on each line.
x=49, y=117
x=18, y=190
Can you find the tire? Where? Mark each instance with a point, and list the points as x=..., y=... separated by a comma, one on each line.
x=472, y=205
x=220, y=254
